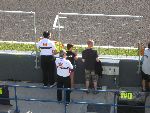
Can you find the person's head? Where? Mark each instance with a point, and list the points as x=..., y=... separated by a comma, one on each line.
x=69, y=47
x=46, y=34
x=62, y=53
x=149, y=45
x=90, y=43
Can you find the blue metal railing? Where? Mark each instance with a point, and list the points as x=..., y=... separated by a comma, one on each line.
x=16, y=98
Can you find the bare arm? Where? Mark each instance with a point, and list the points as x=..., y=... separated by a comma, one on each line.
x=76, y=52
x=76, y=57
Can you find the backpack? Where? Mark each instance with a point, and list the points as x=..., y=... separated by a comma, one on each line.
x=98, y=68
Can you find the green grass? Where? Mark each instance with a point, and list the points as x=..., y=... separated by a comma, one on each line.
x=17, y=46
x=114, y=51
x=102, y=51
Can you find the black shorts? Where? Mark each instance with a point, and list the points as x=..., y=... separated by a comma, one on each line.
x=145, y=76
x=72, y=70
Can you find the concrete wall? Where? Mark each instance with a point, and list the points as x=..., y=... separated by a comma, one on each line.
x=21, y=67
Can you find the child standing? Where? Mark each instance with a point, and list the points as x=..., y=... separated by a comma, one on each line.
x=72, y=57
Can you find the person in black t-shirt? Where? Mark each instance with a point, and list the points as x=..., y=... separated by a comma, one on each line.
x=89, y=57
x=72, y=57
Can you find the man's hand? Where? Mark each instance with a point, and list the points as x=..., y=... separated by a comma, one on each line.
x=83, y=60
x=97, y=59
x=55, y=52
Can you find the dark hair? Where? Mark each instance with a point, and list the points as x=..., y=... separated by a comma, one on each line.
x=149, y=45
x=46, y=34
x=69, y=46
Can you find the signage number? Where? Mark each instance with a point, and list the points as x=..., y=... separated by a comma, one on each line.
x=126, y=95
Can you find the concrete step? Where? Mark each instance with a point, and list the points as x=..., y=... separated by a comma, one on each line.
x=6, y=109
x=91, y=112
x=147, y=103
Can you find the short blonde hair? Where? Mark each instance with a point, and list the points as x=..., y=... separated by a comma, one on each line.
x=90, y=42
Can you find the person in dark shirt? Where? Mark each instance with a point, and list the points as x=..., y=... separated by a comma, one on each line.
x=72, y=57
x=89, y=57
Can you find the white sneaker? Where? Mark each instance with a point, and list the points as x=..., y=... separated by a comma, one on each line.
x=53, y=85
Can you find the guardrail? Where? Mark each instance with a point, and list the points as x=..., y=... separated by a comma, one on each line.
x=16, y=98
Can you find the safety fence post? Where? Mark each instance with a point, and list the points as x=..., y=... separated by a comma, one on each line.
x=115, y=94
x=16, y=101
x=65, y=100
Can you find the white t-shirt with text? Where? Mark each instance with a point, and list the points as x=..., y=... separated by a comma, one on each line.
x=47, y=47
x=63, y=67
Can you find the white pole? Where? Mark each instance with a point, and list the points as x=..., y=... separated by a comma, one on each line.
x=4, y=11
x=36, y=50
x=131, y=16
x=59, y=31
x=139, y=52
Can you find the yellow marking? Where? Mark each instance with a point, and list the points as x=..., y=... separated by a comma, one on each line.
x=1, y=91
x=130, y=96
x=126, y=95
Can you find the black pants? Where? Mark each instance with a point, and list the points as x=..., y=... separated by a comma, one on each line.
x=48, y=69
x=63, y=82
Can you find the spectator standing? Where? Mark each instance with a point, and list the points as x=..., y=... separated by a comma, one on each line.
x=90, y=57
x=72, y=57
x=146, y=69
x=48, y=50
x=63, y=72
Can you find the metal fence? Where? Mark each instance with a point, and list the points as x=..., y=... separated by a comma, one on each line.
x=114, y=104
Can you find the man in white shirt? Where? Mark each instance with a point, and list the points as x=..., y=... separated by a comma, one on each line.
x=146, y=68
x=48, y=49
x=63, y=72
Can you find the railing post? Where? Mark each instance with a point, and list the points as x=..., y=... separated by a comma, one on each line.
x=115, y=102
x=16, y=101
x=65, y=99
